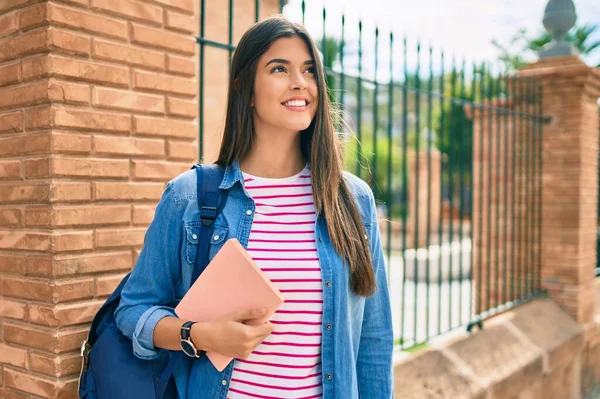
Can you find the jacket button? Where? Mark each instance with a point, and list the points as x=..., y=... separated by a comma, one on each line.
x=320, y=239
x=224, y=382
x=194, y=236
x=328, y=284
x=216, y=237
x=329, y=376
x=248, y=212
x=328, y=326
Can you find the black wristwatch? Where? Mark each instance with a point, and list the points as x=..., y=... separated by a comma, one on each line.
x=185, y=340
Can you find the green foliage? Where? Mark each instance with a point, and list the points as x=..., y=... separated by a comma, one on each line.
x=522, y=48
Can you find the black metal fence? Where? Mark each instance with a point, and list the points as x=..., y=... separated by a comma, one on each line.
x=453, y=154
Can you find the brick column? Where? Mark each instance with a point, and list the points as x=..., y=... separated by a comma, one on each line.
x=570, y=183
x=98, y=109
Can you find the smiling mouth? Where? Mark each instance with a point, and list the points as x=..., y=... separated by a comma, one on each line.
x=295, y=103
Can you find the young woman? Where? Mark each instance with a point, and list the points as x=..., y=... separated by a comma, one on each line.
x=310, y=226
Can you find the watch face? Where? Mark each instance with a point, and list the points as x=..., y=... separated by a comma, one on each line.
x=188, y=349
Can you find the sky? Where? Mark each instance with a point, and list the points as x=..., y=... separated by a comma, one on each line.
x=464, y=28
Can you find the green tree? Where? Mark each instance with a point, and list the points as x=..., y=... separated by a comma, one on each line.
x=522, y=48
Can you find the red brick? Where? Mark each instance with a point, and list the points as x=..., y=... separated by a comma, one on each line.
x=128, y=101
x=36, y=168
x=69, y=143
x=11, y=122
x=20, y=192
x=7, y=5
x=38, y=118
x=81, y=119
x=13, y=309
x=182, y=150
x=87, y=21
x=73, y=289
x=118, y=238
x=165, y=128
x=13, y=356
x=89, y=71
x=67, y=92
x=63, y=315
x=175, y=42
x=25, y=145
x=26, y=264
x=36, y=67
x=53, y=365
x=132, y=10
x=33, y=17
x=126, y=54
x=143, y=214
x=91, y=215
x=82, y=167
x=105, y=285
x=10, y=170
x=18, y=239
x=68, y=42
x=37, y=216
x=111, y=191
x=70, y=192
x=22, y=45
x=32, y=289
x=39, y=386
x=129, y=146
x=73, y=241
x=10, y=73
x=94, y=263
x=11, y=217
x=50, y=340
x=9, y=24
x=182, y=66
x=22, y=95
x=182, y=108
x=183, y=5
x=158, y=170
x=163, y=83
x=181, y=22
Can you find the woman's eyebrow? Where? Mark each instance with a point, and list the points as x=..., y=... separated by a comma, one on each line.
x=287, y=62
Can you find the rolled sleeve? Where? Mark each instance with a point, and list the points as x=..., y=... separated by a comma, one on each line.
x=143, y=336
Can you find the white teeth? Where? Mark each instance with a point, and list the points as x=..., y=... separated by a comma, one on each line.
x=295, y=103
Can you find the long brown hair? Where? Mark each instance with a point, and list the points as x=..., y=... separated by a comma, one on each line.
x=319, y=144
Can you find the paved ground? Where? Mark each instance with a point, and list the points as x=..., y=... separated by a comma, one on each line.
x=595, y=394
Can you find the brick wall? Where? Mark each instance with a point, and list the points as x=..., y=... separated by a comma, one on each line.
x=98, y=109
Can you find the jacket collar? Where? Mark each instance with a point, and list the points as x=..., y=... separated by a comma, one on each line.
x=233, y=174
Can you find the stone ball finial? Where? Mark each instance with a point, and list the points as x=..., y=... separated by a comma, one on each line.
x=559, y=18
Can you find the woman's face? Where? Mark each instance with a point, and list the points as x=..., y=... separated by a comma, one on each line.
x=285, y=93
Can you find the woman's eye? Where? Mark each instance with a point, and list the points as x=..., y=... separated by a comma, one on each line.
x=278, y=69
x=311, y=70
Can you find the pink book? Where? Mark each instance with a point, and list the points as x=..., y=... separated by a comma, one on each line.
x=231, y=282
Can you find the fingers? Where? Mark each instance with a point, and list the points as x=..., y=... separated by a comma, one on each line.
x=249, y=314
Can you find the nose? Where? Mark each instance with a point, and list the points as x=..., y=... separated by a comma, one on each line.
x=297, y=82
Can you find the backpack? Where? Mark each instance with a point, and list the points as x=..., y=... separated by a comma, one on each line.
x=109, y=368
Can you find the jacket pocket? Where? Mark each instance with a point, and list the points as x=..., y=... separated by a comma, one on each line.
x=217, y=240
x=192, y=233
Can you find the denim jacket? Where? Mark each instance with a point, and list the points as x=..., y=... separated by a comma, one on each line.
x=357, y=333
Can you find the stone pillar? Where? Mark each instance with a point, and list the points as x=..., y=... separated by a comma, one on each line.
x=570, y=182
x=98, y=109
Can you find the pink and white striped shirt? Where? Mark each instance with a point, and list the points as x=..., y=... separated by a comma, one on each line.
x=282, y=243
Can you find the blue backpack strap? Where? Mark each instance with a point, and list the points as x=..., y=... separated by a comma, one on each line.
x=211, y=201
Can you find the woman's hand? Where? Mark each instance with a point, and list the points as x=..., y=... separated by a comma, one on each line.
x=230, y=335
